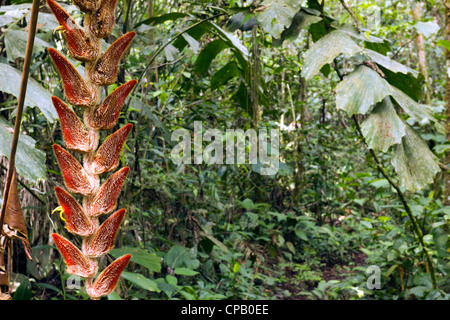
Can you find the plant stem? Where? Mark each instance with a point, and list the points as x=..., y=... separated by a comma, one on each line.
x=405, y=204
x=20, y=105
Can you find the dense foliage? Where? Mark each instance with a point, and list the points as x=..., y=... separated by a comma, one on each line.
x=349, y=193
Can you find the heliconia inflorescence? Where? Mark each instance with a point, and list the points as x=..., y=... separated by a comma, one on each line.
x=83, y=136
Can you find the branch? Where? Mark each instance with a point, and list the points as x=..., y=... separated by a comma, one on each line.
x=352, y=14
x=20, y=105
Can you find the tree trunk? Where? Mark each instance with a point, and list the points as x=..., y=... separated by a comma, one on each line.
x=421, y=54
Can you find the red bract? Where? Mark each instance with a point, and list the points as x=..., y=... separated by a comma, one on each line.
x=103, y=240
x=106, y=115
x=76, y=219
x=76, y=89
x=75, y=177
x=76, y=137
x=106, y=68
x=80, y=46
x=105, y=201
x=107, y=280
x=76, y=261
x=107, y=156
x=83, y=135
x=101, y=21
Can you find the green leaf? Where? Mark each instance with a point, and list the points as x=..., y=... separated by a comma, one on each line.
x=277, y=16
x=360, y=90
x=391, y=269
x=207, y=55
x=388, y=63
x=416, y=111
x=185, y=272
x=414, y=163
x=325, y=50
x=23, y=292
x=30, y=162
x=114, y=296
x=380, y=47
x=440, y=238
x=380, y=183
x=140, y=256
x=140, y=281
x=444, y=43
x=224, y=74
x=383, y=128
x=408, y=83
x=36, y=95
x=181, y=257
x=167, y=287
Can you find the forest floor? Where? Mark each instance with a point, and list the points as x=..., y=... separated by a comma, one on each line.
x=296, y=283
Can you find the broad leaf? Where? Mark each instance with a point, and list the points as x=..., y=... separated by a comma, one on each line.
x=140, y=256
x=414, y=163
x=415, y=110
x=185, y=272
x=277, y=16
x=408, y=83
x=383, y=128
x=30, y=162
x=140, y=281
x=179, y=256
x=325, y=50
x=360, y=90
x=386, y=62
x=208, y=54
x=36, y=95
x=224, y=74
x=16, y=43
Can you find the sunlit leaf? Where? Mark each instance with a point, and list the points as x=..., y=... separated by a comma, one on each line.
x=360, y=90
x=325, y=50
x=277, y=16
